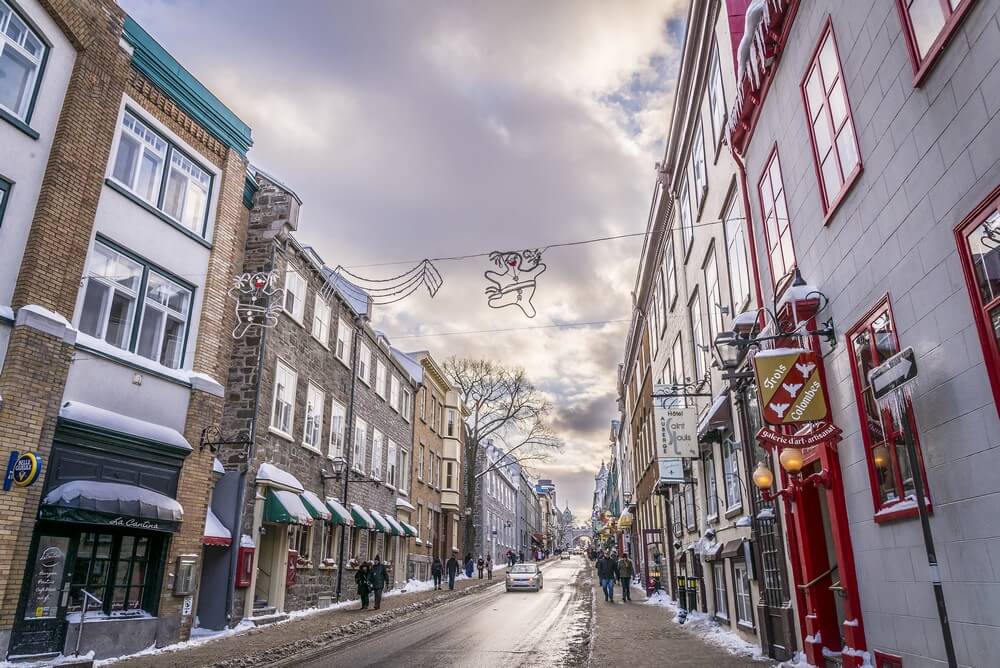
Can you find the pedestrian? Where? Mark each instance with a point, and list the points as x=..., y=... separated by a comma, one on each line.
x=379, y=577
x=625, y=571
x=520, y=556
x=480, y=565
x=489, y=567
x=452, y=567
x=363, y=580
x=468, y=564
x=436, y=570
x=607, y=572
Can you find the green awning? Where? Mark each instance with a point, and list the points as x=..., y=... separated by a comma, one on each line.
x=362, y=519
x=281, y=507
x=410, y=529
x=380, y=523
x=339, y=514
x=397, y=528
x=316, y=508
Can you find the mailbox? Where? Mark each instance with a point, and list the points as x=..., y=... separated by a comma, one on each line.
x=244, y=565
x=291, y=570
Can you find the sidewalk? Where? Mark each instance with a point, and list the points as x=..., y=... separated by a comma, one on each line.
x=261, y=646
x=642, y=633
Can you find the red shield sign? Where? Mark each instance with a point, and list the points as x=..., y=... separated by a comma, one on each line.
x=789, y=386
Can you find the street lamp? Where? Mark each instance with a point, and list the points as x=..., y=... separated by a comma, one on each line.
x=791, y=460
x=727, y=351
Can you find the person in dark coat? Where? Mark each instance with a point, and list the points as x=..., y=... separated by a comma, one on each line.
x=452, y=567
x=480, y=565
x=468, y=565
x=363, y=580
x=437, y=569
x=489, y=566
x=520, y=556
x=625, y=572
x=607, y=572
x=379, y=578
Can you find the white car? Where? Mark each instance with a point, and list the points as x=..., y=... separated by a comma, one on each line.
x=564, y=555
x=524, y=576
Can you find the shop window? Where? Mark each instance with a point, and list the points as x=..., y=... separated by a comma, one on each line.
x=741, y=589
x=711, y=486
x=872, y=341
x=927, y=26
x=330, y=543
x=22, y=57
x=721, y=595
x=133, y=306
x=690, y=518
x=831, y=126
x=355, y=547
x=979, y=247
x=883, y=660
x=300, y=540
x=117, y=569
x=777, y=228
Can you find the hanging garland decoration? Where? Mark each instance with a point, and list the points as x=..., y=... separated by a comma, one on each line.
x=258, y=301
x=515, y=285
x=382, y=291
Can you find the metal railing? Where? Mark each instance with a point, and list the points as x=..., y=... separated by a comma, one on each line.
x=87, y=598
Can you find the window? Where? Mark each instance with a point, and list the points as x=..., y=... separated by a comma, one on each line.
x=406, y=399
x=330, y=543
x=731, y=471
x=698, y=170
x=356, y=543
x=927, y=26
x=716, y=98
x=777, y=230
x=653, y=319
x=883, y=660
x=380, y=379
x=979, y=247
x=404, y=470
x=687, y=224
x=378, y=443
x=872, y=341
x=312, y=434
x=343, y=351
x=670, y=277
x=300, y=540
x=360, y=441
x=118, y=569
x=677, y=361
x=321, y=320
x=139, y=164
x=364, y=363
x=422, y=401
x=295, y=294
x=4, y=195
x=714, y=292
x=283, y=408
x=390, y=465
x=22, y=53
x=449, y=479
x=420, y=521
x=452, y=422
x=420, y=462
x=741, y=589
x=721, y=596
x=736, y=244
x=690, y=520
x=677, y=512
x=698, y=344
x=116, y=284
x=835, y=144
x=374, y=544
x=711, y=486
x=394, y=392
x=338, y=420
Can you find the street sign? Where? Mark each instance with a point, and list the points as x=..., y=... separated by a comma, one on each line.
x=671, y=470
x=789, y=386
x=895, y=372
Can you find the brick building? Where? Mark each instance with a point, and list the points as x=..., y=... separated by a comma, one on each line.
x=328, y=411
x=121, y=225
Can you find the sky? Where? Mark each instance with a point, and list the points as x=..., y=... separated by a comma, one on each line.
x=415, y=130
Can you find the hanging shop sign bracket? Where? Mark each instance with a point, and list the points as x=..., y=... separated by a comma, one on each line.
x=213, y=438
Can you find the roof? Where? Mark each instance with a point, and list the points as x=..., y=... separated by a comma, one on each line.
x=163, y=70
x=412, y=366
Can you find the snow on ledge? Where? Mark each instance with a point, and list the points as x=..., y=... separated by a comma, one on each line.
x=46, y=321
x=780, y=352
x=797, y=293
x=272, y=475
x=705, y=628
x=76, y=411
x=104, y=348
x=6, y=313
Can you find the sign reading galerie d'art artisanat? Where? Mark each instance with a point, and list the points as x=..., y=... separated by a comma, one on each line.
x=789, y=386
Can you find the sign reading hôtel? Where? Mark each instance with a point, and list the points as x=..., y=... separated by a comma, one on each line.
x=789, y=386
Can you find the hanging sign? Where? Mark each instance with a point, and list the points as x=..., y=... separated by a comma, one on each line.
x=676, y=428
x=671, y=470
x=789, y=386
x=22, y=470
x=824, y=431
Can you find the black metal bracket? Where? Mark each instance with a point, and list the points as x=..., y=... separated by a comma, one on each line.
x=213, y=437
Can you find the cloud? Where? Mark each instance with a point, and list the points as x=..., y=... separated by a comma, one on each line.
x=433, y=129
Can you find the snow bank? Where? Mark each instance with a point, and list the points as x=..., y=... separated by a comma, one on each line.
x=199, y=636
x=704, y=627
x=122, y=424
x=56, y=661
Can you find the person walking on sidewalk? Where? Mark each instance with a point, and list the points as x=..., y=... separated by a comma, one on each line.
x=607, y=572
x=489, y=566
x=480, y=565
x=625, y=571
x=436, y=570
x=468, y=564
x=379, y=578
x=363, y=581
x=452, y=567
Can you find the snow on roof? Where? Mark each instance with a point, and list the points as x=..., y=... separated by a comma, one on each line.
x=214, y=527
x=797, y=293
x=292, y=502
x=317, y=504
x=362, y=513
x=46, y=313
x=403, y=503
x=6, y=312
x=112, y=491
x=746, y=319
x=217, y=466
x=395, y=524
x=780, y=352
x=412, y=366
x=269, y=473
x=76, y=411
x=246, y=541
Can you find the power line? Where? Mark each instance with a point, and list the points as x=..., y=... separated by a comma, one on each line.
x=566, y=325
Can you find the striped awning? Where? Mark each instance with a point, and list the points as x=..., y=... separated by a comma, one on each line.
x=284, y=507
x=362, y=519
x=397, y=528
x=410, y=529
x=339, y=514
x=380, y=523
x=316, y=507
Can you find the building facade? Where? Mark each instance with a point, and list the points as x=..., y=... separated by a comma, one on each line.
x=115, y=341
x=495, y=508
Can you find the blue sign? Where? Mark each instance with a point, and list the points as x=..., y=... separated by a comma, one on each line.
x=8, y=478
x=22, y=470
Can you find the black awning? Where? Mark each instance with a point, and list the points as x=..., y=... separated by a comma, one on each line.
x=733, y=548
x=112, y=504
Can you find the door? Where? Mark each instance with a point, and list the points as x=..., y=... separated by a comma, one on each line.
x=652, y=549
x=268, y=565
x=40, y=627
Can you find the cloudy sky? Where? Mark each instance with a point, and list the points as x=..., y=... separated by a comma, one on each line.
x=432, y=129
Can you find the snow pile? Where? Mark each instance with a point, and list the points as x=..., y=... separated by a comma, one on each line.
x=55, y=661
x=199, y=636
x=705, y=628
x=797, y=661
x=411, y=586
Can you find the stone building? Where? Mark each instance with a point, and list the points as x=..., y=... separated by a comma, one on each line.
x=122, y=216
x=327, y=411
x=528, y=510
x=495, y=506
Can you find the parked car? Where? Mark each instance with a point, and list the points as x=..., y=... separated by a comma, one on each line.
x=524, y=576
x=564, y=555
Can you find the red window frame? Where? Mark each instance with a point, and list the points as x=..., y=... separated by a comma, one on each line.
x=778, y=282
x=953, y=18
x=883, y=511
x=980, y=309
x=829, y=83
x=883, y=660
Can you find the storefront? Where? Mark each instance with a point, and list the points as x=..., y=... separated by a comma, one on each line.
x=99, y=549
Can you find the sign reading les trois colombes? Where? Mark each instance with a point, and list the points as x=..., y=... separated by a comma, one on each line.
x=789, y=386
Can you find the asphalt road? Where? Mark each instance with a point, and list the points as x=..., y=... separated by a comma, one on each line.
x=495, y=628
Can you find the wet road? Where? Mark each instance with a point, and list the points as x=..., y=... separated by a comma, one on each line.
x=547, y=628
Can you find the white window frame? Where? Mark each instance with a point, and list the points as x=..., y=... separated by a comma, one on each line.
x=329, y=543
x=731, y=475
x=292, y=382
x=721, y=590
x=312, y=427
x=380, y=378
x=406, y=400
x=295, y=288
x=697, y=338
x=391, y=464
x=360, y=438
x=394, y=392
x=420, y=462
x=742, y=594
x=716, y=98
x=364, y=363
x=687, y=221
x=404, y=471
x=321, y=321
x=378, y=443
x=22, y=47
x=737, y=254
x=699, y=170
x=338, y=416
x=343, y=349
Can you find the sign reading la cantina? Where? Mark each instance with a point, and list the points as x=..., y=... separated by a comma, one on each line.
x=791, y=392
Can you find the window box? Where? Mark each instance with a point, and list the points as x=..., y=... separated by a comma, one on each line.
x=927, y=37
x=23, y=54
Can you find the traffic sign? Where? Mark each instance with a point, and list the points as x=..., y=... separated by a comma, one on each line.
x=892, y=374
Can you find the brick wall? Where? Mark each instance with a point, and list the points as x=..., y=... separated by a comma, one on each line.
x=422, y=494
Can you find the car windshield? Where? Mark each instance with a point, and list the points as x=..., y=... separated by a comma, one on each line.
x=524, y=568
